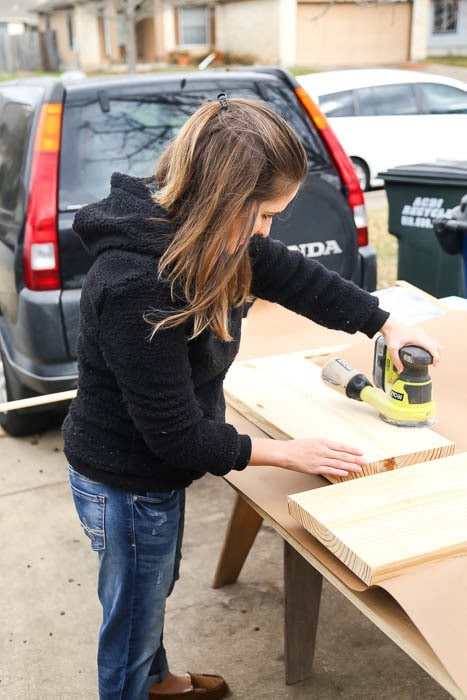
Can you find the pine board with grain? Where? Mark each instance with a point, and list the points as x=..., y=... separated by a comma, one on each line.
x=285, y=397
x=389, y=523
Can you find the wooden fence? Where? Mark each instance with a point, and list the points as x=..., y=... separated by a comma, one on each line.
x=28, y=52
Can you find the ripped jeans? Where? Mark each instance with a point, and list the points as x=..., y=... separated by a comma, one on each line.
x=137, y=536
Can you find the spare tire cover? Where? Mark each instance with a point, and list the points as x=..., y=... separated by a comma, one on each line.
x=319, y=223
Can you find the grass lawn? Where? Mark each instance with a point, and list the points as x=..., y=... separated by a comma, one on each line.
x=386, y=247
x=448, y=60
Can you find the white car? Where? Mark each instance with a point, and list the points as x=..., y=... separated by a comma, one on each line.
x=386, y=117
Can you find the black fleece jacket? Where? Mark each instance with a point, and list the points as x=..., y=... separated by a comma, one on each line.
x=149, y=414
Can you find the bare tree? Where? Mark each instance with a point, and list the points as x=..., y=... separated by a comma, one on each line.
x=133, y=11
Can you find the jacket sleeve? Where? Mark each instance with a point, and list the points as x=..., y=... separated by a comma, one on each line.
x=154, y=377
x=305, y=286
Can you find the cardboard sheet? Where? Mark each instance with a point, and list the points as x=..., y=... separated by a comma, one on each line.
x=434, y=595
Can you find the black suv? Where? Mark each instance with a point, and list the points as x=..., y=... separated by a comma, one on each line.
x=59, y=143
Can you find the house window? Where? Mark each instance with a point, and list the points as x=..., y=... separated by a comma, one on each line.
x=193, y=25
x=445, y=16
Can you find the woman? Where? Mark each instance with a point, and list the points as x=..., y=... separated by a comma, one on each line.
x=178, y=257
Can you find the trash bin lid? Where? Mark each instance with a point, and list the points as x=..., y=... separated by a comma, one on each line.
x=446, y=172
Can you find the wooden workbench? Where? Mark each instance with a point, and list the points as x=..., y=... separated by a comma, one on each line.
x=262, y=495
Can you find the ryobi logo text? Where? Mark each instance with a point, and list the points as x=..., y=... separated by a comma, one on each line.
x=315, y=249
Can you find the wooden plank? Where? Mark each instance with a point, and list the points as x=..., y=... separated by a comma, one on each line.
x=285, y=396
x=389, y=523
x=41, y=400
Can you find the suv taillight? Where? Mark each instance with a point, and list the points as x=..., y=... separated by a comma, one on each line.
x=343, y=163
x=40, y=257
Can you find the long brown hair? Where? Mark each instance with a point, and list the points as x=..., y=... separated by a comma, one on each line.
x=226, y=160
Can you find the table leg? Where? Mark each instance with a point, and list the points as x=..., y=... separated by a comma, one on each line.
x=302, y=597
x=241, y=532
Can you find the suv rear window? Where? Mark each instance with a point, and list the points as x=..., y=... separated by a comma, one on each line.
x=128, y=133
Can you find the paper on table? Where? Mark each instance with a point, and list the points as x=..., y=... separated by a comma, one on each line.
x=407, y=305
x=434, y=596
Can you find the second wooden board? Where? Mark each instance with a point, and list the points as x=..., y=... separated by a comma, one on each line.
x=386, y=524
x=285, y=396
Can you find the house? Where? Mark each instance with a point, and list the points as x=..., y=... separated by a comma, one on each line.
x=19, y=41
x=86, y=33
x=15, y=17
x=341, y=33
x=91, y=33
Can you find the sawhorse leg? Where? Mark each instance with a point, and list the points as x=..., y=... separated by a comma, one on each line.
x=241, y=533
x=302, y=588
x=302, y=597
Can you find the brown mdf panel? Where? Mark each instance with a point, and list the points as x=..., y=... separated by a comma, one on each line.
x=389, y=523
x=285, y=396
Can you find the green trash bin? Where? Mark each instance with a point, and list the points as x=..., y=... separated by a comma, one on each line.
x=418, y=194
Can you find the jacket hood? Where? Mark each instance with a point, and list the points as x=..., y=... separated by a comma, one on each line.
x=125, y=219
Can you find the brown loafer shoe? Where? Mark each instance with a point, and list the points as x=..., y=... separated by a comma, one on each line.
x=204, y=687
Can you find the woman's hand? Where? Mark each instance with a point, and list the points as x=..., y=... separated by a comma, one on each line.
x=309, y=456
x=397, y=335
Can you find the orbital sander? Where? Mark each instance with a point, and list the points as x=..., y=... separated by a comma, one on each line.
x=406, y=398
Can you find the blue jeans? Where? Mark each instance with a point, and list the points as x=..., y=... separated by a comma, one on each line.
x=138, y=539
